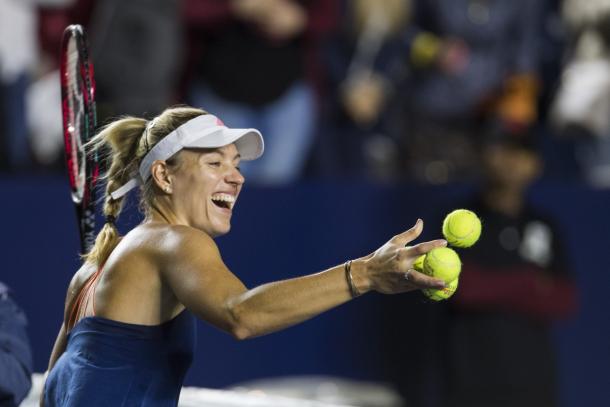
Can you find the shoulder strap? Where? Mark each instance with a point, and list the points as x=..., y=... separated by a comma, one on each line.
x=79, y=307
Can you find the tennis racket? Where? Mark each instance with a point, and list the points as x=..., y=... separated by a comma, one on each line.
x=79, y=122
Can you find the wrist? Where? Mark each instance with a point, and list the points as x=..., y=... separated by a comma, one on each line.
x=360, y=278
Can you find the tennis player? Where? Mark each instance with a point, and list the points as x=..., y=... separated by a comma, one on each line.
x=128, y=332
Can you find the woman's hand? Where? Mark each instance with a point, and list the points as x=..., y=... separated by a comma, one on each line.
x=390, y=268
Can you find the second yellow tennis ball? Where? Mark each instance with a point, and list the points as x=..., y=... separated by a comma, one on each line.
x=418, y=264
x=443, y=293
x=462, y=228
x=442, y=263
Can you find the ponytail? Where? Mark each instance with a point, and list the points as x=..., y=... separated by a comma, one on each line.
x=122, y=141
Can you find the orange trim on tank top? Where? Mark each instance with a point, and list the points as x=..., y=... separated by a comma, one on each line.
x=84, y=293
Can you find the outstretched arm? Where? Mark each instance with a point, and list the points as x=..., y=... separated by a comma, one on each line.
x=202, y=282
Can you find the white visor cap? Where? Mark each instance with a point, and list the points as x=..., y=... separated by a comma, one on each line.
x=205, y=131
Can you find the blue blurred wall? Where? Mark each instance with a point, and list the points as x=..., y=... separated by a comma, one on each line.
x=281, y=233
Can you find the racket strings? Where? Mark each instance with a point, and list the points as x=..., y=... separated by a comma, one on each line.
x=77, y=118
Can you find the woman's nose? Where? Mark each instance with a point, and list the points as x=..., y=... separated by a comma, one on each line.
x=235, y=177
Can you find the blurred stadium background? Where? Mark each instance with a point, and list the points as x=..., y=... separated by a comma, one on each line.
x=375, y=113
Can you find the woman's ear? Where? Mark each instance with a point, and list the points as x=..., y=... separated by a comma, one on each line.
x=161, y=176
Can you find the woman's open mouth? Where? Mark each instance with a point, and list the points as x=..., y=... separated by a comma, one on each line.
x=223, y=201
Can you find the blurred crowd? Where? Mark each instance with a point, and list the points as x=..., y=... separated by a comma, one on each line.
x=377, y=89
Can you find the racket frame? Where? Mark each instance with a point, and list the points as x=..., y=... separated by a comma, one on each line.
x=79, y=89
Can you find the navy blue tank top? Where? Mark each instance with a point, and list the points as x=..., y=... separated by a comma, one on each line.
x=111, y=363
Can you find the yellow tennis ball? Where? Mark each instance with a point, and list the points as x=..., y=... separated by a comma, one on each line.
x=443, y=263
x=462, y=228
x=418, y=264
x=443, y=293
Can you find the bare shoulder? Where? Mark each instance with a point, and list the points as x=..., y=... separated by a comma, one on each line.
x=172, y=242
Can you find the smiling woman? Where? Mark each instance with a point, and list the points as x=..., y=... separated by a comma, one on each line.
x=204, y=189
x=128, y=331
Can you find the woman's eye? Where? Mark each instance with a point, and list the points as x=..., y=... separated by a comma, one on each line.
x=215, y=164
x=238, y=168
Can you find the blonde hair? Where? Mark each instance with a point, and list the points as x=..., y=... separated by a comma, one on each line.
x=126, y=141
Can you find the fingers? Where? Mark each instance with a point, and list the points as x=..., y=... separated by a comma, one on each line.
x=410, y=235
x=422, y=281
x=425, y=247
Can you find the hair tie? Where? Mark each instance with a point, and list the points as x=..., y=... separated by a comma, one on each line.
x=146, y=139
x=111, y=219
x=149, y=126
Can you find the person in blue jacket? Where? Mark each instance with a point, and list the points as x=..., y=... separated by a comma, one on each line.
x=15, y=352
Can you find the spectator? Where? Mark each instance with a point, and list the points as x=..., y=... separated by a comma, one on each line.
x=15, y=353
x=137, y=53
x=136, y=50
x=366, y=66
x=256, y=68
x=581, y=106
x=515, y=282
x=18, y=57
x=475, y=66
